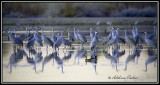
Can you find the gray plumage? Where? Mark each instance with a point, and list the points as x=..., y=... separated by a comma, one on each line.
x=59, y=62
x=48, y=58
x=54, y=38
x=130, y=58
x=152, y=36
x=129, y=40
x=70, y=36
x=59, y=41
x=106, y=39
x=24, y=36
x=152, y=58
x=112, y=41
x=46, y=40
x=81, y=37
x=133, y=31
x=66, y=42
x=111, y=58
x=91, y=34
x=94, y=41
x=16, y=57
x=30, y=43
x=138, y=37
x=119, y=39
x=75, y=33
x=150, y=43
x=14, y=40
x=138, y=51
x=80, y=54
x=38, y=39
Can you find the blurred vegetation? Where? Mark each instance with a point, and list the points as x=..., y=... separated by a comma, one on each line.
x=106, y=9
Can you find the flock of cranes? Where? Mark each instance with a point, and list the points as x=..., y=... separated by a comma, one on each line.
x=113, y=40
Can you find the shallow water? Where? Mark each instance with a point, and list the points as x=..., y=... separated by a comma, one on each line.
x=82, y=72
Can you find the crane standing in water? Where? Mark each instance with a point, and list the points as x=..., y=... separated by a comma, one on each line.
x=59, y=41
x=91, y=34
x=38, y=41
x=150, y=43
x=70, y=36
x=54, y=38
x=15, y=41
x=47, y=41
x=152, y=58
x=94, y=42
x=129, y=40
x=81, y=37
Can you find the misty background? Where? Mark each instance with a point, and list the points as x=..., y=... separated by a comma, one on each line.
x=103, y=9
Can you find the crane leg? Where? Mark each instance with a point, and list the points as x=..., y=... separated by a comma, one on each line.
x=43, y=66
x=35, y=67
x=10, y=69
x=74, y=60
x=53, y=61
x=111, y=64
x=146, y=66
x=14, y=48
x=116, y=68
x=78, y=60
x=47, y=49
x=62, y=68
x=29, y=52
x=125, y=67
x=154, y=63
x=129, y=49
x=137, y=60
x=86, y=59
x=95, y=68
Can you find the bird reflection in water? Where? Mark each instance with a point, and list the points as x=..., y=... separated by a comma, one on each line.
x=93, y=59
x=136, y=52
x=81, y=53
x=16, y=57
x=111, y=58
x=37, y=58
x=152, y=57
x=48, y=58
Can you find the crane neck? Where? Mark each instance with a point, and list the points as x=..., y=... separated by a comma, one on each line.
x=34, y=35
x=68, y=30
x=155, y=29
x=113, y=33
x=58, y=35
x=15, y=33
x=136, y=31
x=42, y=33
x=78, y=31
x=117, y=32
x=61, y=33
x=26, y=31
x=126, y=33
x=90, y=30
x=74, y=31
x=37, y=29
x=145, y=35
x=53, y=32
